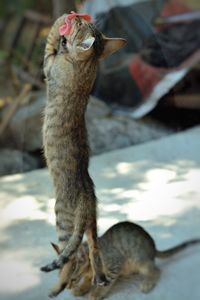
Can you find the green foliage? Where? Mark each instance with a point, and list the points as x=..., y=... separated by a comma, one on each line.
x=2, y=54
x=19, y=6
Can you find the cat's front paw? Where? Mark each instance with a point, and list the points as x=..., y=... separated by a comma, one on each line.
x=147, y=286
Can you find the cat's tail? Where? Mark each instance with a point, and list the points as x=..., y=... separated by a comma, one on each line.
x=176, y=249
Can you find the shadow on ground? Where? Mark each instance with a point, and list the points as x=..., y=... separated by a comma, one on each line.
x=155, y=185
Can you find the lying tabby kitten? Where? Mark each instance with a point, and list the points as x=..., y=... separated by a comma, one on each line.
x=126, y=249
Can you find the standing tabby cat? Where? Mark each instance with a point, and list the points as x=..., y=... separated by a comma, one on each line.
x=126, y=249
x=70, y=68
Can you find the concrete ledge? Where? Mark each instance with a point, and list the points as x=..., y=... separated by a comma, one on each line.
x=155, y=184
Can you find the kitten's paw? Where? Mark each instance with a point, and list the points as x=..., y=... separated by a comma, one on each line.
x=52, y=294
x=147, y=286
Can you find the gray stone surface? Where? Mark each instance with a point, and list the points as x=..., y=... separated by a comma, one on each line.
x=15, y=161
x=155, y=184
x=106, y=131
x=97, y=109
x=26, y=125
x=116, y=132
x=109, y=132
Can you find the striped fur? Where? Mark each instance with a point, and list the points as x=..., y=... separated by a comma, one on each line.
x=70, y=71
x=126, y=249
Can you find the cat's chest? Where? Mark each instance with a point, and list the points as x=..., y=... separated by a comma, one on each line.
x=57, y=116
x=55, y=127
x=63, y=131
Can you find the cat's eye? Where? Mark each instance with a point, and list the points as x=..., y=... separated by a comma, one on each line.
x=64, y=41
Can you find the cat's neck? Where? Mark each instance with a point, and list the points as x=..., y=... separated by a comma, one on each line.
x=70, y=94
x=76, y=79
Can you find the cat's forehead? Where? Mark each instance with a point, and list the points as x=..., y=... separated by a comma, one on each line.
x=86, y=25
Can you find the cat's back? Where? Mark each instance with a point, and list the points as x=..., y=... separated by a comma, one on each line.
x=130, y=240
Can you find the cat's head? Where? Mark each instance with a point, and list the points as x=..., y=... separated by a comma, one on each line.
x=81, y=278
x=77, y=272
x=85, y=42
x=68, y=267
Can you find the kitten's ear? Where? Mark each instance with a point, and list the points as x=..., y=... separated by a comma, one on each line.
x=112, y=45
x=82, y=255
x=56, y=248
x=86, y=44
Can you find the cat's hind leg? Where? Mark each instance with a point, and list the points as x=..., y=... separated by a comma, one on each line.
x=64, y=277
x=99, y=277
x=150, y=275
x=57, y=289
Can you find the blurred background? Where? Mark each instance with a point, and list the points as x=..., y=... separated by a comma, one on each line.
x=148, y=90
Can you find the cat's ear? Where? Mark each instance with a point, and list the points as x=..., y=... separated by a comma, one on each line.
x=56, y=248
x=82, y=255
x=112, y=45
x=86, y=44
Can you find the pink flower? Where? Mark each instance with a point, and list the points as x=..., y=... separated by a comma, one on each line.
x=66, y=28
